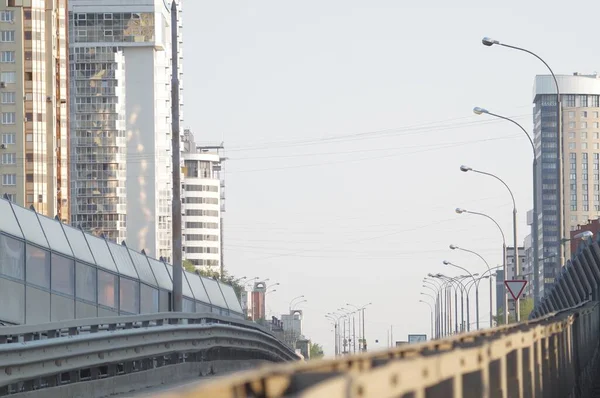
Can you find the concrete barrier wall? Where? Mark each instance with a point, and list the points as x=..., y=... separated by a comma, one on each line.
x=140, y=381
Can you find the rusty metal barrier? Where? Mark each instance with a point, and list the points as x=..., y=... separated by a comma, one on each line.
x=553, y=356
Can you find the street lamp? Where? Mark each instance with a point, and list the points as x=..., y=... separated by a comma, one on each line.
x=464, y=168
x=296, y=304
x=454, y=247
x=536, y=281
x=335, y=333
x=505, y=299
x=274, y=284
x=361, y=318
x=445, y=262
x=487, y=41
x=431, y=315
x=292, y=301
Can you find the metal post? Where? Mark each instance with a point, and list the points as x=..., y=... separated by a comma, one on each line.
x=491, y=310
x=516, y=256
x=431, y=325
x=363, y=331
x=354, y=333
x=468, y=316
x=455, y=311
x=176, y=209
x=536, y=264
x=335, y=336
x=462, y=312
x=477, y=304
x=505, y=295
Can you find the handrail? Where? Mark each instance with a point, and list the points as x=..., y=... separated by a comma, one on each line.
x=466, y=359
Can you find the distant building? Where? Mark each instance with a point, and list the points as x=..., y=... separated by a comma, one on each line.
x=202, y=205
x=34, y=111
x=579, y=146
x=292, y=327
x=120, y=95
x=257, y=302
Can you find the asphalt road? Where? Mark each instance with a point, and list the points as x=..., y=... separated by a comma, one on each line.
x=168, y=388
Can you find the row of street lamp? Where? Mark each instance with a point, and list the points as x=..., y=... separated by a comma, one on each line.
x=441, y=306
x=345, y=338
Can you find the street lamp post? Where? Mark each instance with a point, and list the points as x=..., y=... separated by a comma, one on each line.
x=361, y=318
x=454, y=247
x=536, y=281
x=335, y=333
x=487, y=41
x=505, y=296
x=431, y=315
x=434, y=282
x=476, y=291
x=465, y=169
x=292, y=301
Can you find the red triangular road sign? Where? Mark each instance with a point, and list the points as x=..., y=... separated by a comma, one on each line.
x=515, y=287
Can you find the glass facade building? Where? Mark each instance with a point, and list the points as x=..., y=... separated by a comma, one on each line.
x=50, y=271
x=120, y=87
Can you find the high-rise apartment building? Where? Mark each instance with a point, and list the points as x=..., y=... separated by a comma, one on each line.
x=580, y=143
x=120, y=86
x=33, y=105
x=202, y=205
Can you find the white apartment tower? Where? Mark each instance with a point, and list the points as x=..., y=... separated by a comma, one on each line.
x=202, y=205
x=120, y=96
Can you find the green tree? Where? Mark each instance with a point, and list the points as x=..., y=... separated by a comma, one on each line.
x=188, y=266
x=316, y=351
x=525, y=305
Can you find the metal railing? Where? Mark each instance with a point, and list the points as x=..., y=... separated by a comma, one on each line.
x=47, y=355
x=552, y=356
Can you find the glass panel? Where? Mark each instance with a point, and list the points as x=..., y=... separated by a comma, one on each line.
x=188, y=306
x=8, y=222
x=37, y=266
x=160, y=271
x=86, y=282
x=143, y=268
x=31, y=226
x=198, y=288
x=63, y=275
x=130, y=296
x=149, y=300
x=81, y=251
x=55, y=235
x=107, y=289
x=121, y=257
x=232, y=301
x=101, y=253
x=216, y=297
x=12, y=257
x=186, y=287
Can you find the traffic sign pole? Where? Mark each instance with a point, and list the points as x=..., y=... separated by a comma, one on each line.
x=515, y=288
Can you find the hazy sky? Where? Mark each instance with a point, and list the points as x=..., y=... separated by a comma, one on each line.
x=345, y=124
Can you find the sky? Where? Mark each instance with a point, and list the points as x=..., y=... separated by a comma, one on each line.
x=345, y=123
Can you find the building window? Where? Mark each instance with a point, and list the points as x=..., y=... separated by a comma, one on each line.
x=7, y=57
x=572, y=145
x=8, y=138
x=584, y=114
x=584, y=145
x=8, y=77
x=595, y=125
x=584, y=125
x=572, y=125
x=583, y=135
x=583, y=101
x=8, y=97
x=8, y=118
x=9, y=179
x=571, y=115
x=11, y=197
x=7, y=36
x=9, y=158
x=595, y=101
x=571, y=135
x=570, y=101
x=7, y=16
